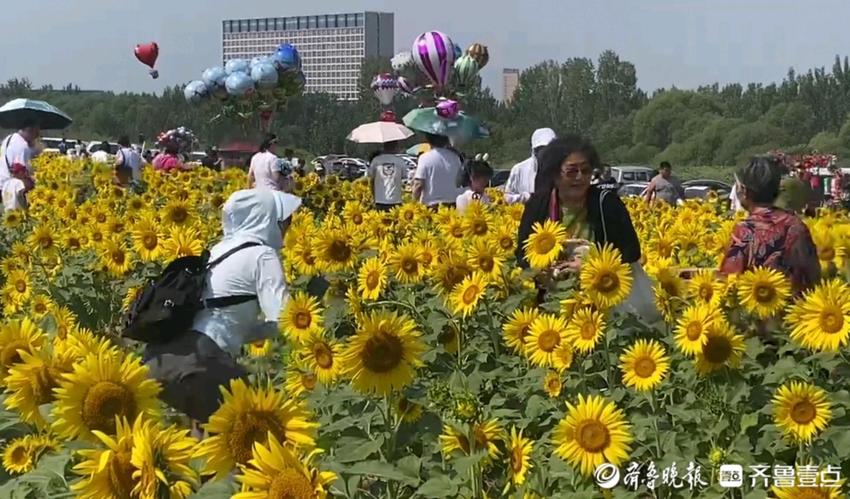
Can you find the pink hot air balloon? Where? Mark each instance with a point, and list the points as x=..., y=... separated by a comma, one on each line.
x=433, y=52
x=385, y=87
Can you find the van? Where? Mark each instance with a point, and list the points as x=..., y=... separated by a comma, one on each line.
x=631, y=174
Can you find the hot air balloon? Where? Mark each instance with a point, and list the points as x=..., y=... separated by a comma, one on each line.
x=385, y=86
x=433, y=52
x=479, y=53
x=466, y=68
x=147, y=53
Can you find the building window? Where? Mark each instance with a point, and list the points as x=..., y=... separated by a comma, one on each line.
x=323, y=21
x=361, y=18
x=243, y=25
x=291, y=23
x=312, y=22
x=253, y=25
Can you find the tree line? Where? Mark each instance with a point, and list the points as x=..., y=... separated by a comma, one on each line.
x=710, y=125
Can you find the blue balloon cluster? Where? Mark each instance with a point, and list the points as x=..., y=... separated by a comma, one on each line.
x=275, y=76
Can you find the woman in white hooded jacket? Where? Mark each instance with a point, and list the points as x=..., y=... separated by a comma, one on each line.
x=192, y=366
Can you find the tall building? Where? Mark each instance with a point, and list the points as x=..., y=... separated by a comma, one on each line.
x=510, y=82
x=332, y=46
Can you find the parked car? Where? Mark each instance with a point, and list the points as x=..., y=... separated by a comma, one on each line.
x=51, y=144
x=500, y=178
x=94, y=146
x=634, y=189
x=631, y=174
x=699, y=189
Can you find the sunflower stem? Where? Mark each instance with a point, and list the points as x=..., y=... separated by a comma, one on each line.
x=653, y=404
x=608, y=363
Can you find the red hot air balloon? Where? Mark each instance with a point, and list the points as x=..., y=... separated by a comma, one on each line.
x=147, y=53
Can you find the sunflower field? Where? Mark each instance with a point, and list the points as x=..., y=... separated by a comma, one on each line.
x=427, y=367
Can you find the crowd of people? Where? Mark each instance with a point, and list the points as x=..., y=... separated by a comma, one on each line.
x=563, y=181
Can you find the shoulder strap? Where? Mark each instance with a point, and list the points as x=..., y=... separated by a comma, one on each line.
x=231, y=252
x=6, y=152
x=602, y=194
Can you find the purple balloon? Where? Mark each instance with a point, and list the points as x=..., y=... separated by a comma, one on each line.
x=434, y=54
x=448, y=109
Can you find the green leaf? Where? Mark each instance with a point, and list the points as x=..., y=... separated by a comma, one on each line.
x=437, y=486
x=216, y=489
x=748, y=421
x=383, y=470
x=410, y=465
x=353, y=449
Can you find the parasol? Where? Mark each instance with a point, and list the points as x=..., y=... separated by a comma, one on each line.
x=462, y=125
x=18, y=113
x=379, y=132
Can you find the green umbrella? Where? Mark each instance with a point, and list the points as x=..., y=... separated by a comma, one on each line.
x=19, y=112
x=426, y=120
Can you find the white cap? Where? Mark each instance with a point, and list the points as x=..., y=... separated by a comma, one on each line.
x=541, y=137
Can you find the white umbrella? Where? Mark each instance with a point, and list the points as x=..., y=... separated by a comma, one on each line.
x=379, y=132
x=19, y=112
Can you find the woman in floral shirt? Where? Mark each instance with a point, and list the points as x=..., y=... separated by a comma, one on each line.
x=770, y=236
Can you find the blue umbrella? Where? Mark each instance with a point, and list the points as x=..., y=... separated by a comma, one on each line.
x=19, y=112
x=463, y=126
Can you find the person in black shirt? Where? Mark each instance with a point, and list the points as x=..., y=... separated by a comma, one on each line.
x=212, y=159
x=606, y=180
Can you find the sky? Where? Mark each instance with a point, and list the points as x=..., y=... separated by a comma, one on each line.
x=685, y=43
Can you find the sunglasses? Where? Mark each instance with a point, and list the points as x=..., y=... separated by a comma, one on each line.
x=573, y=172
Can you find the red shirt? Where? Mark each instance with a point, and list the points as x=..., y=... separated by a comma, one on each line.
x=167, y=162
x=776, y=239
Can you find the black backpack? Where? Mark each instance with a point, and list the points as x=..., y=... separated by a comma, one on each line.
x=167, y=306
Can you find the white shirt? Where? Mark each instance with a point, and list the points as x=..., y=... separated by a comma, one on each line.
x=101, y=156
x=438, y=170
x=13, y=190
x=132, y=160
x=388, y=170
x=466, y=199
x=251, y=271
x=520, y=184
x=264, y=167
x=14, y=150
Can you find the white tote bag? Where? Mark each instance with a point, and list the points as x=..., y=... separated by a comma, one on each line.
x=641, y=300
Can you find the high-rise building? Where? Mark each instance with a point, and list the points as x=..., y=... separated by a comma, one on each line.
x=332, y=46
x=510, y=82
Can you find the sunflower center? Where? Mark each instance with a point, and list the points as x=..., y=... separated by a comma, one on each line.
x=357, y=218
x=831, y=320
x=479, y=227
x=545, y=243
x=251, y=427
x=694, y=331
x=372, y=279
x=339, y=251
x=644, y=367
x=121, y=474
x=179, y=215
x=812, y=493
x=426, y=258
x=607, y=282
x=826, y=254
x=706, y=292
x=409, y=265
x=323, y=355
x=118, y=257
x=105, y=400
x=506, y=243
x=46, y=242
x=588, y=331
x=553, y=385
x=382, y=353
x=548, y=340
x=149, y=241
x=516, y=459
x=592, y=436
x=9, y=356
x=717, y=350
x=457, y=231
x=303, y=319
x=486, y=263
x=289, y=484
x=40, y=308
x=43, y=384
x=764, y=293
x=20, y=286
x=308, y=381
x=803, y=412
x=470, y=294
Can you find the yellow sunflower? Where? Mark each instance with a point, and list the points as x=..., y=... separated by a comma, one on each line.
x=247, y=416
x=18, y=457
x=487, y=435
x=801, y=410
x=275, y=470
x=102, y=387
x=552, y=384
x=604, y=278
x=182, y=241
x=371, y=279
x=516, y=328
x=322, y=357
x=161, y=458
x=19, y=285
x=547, y=332
x=407, y=410
x=705, y=289
x=17, y=337
x=40, y=305
x=299, y=382
x=644, y=365
x=763, y=291
x=449, y=272
x=468, y=293
x=519, y=454
x=301, y=316
x=64, y=320
x=690, y=331
x=176, y=212
x=43, y=239
x=593, y=432
x=107, y=473
x=564, y=356
x=817, y=490
x=13, y=218
x=30, y=383
x=335, y=250
x=820, y=320
x=504, y=238
x=383, y=355
x=545, y=244
x=586, y=329
x=115, y=257
x=722, y=348
x=405, y=263
x=486, y=258
x=147, y=238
